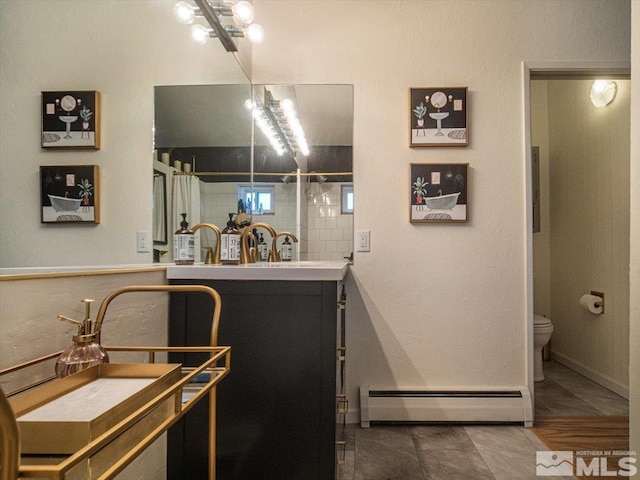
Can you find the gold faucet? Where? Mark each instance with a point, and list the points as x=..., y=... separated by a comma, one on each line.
x=274, y=253
x=253, y=251
x=245, y=254
x=208, y=259
x=215, y=258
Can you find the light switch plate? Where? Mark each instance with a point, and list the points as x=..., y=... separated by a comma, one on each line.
x=363, y=241
x=143, y=242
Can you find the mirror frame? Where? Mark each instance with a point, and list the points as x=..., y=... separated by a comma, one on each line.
x=165, y=240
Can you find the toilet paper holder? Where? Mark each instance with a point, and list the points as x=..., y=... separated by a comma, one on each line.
x=594, y=303
x=599, y=304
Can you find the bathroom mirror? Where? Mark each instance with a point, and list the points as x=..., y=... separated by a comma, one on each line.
x=309, y=188
x=209, y=128
x=203, y=140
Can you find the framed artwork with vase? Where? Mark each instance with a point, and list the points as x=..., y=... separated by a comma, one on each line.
x=438, y=117
x=71, y=119
x=69, y=194
x=439, y=193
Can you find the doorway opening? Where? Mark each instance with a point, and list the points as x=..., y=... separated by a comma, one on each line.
x=578, y=236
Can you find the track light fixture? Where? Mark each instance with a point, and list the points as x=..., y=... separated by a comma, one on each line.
x=242, y=13
x=278, y=121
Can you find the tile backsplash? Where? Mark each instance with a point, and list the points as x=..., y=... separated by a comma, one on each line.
x=325, y=233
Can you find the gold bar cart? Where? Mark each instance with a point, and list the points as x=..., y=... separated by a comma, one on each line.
x=129, y=433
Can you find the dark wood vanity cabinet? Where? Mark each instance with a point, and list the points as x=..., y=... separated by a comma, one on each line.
x=277, y=409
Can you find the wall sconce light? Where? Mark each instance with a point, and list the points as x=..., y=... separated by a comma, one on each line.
x=319, y=178
x=603, y=92
x=242, y=13
x=287, y=178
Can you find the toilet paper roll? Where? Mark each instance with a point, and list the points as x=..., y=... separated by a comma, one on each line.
x=177, y=164
x=589, y=302
x=165, y=158
x=187, y=168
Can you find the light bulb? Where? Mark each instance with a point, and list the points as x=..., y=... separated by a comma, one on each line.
x=297, y=129
x=200, y=34
x=287, y=105
x=184, y=13
x=603, y=92
x=599, y=86
x=255, y=33
x=243, y=12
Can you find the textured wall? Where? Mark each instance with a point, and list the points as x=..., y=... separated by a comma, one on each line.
x=436, y=305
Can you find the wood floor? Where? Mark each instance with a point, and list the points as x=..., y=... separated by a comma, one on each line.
x=585, y=434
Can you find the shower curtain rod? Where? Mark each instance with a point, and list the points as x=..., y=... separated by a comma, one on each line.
x=269, y=174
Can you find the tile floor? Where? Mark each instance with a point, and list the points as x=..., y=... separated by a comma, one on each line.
x=565, y=392
x=473, y=452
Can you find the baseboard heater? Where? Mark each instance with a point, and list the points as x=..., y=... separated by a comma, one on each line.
x=503, y=405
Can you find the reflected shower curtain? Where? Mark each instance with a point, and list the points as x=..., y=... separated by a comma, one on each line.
x=186, y=199
x=159, y=215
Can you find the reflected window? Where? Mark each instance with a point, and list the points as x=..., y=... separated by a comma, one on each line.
x=347, y=199
x=260, y=200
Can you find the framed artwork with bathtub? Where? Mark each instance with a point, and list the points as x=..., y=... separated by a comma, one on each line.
x=71, y=120
x=69, y=194
x=439, y=193
x=438, y=117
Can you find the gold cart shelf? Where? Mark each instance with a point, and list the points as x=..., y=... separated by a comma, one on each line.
x=136, y=428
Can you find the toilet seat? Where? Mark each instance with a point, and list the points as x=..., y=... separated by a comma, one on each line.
x=540, y=321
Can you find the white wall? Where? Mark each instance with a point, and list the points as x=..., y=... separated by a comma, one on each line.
x=634, y=287
x=436, y=305
x=121, y=49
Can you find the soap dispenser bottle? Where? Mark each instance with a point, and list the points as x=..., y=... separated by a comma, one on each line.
x=183, y=244
x=286, y=251
x=262, y=248
x=230, y=243
x=85, y=351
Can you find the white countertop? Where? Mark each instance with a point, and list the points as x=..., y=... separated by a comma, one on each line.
x=298, y=271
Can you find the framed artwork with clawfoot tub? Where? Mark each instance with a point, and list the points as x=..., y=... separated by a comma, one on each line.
x=439, y=193
x=69, y=194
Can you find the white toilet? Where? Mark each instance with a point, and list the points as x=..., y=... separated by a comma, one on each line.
x=542, y=330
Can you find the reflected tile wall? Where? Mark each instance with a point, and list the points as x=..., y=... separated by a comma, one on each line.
x=325, y=234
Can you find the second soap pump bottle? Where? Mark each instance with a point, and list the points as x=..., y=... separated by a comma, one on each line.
x=230, y=243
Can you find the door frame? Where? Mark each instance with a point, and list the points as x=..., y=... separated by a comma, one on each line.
x=552, y=70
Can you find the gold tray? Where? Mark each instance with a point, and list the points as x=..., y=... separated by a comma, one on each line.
x=66, y=414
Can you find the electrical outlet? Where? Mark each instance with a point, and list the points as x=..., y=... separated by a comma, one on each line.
x=143, y=242
x=363, y=241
